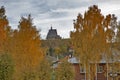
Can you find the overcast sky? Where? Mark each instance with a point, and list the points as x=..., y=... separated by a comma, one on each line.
x=58, y=13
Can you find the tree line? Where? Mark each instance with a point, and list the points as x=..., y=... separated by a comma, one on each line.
x=95, y=37
x=23, y=58
x=21, y=54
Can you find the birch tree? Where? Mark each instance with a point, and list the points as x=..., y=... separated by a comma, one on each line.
x=91, y=36
x=3, y=28
x=25, y=46
x=44, y=71
x=64, y=71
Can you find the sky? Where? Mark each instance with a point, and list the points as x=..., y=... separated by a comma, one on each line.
x=56, y=13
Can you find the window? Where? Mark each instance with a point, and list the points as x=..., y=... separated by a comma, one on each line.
x=99, y=68
x=118, y=71
x=82, y=69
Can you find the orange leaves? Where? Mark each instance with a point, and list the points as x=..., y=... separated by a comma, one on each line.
x=26, y=45
x=64, y=71
x=3, y=27
x=92, y=34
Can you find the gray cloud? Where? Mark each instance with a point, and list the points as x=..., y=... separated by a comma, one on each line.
x=59, y=13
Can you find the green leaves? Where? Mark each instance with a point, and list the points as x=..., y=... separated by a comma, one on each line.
x=64, y=71
x=44, y=70
x=6, y=67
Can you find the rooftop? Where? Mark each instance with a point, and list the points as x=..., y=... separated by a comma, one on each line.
x=52, y=34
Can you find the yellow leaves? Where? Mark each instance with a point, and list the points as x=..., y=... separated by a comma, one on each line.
x=3, y=31
x=65, y=71
x=93, y=70
x=25, y=44
x=57, y=50
x=44, y=70
x=92, y=36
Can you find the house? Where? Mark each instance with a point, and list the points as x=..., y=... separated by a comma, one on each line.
x=103, y=70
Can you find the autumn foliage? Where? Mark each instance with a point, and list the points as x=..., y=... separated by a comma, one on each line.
x=93, y=36
x=26, y=44
x=23, y=44
x=3, y=28
x=64, y=71
x=23, y=58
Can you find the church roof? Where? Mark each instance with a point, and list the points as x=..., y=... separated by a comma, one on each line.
x=52, y=34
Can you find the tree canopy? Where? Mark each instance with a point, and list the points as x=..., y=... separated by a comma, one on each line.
x=92, y=36
x=3, y=28
x=64, y=71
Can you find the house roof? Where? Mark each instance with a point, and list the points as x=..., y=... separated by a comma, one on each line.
x=74, y=60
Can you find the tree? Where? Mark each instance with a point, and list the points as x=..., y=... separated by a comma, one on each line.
x=116, y=56
x=28, y=75
x=64, y=71
x=3, y=27
x=57, y=52
x=92, y=37
x=44, y=70
x=25, y=46
x=6, y=67
x=117, y=45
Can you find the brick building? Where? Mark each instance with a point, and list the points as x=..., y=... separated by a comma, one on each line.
x=103, y=70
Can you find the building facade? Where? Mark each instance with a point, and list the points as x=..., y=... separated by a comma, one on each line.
x=103, y=70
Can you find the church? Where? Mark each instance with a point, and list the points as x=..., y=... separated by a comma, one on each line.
x=52, y=34
x=54, y=41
